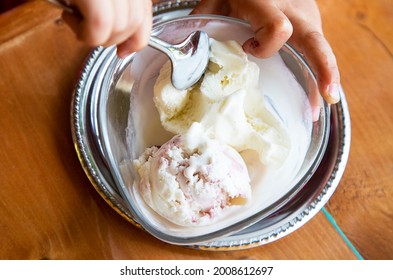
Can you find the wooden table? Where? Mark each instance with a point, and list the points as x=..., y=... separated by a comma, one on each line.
x=49, y=209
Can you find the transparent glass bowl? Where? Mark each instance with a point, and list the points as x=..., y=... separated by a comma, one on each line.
x=116, y=86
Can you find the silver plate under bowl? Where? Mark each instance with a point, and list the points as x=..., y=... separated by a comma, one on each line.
x=298, y=210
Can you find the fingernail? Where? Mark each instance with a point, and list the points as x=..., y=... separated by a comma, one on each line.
x=316, y=111
x=333, y=91
x=254, y=44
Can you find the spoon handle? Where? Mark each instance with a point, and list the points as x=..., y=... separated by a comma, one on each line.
x=63, y=5
x=161, y=46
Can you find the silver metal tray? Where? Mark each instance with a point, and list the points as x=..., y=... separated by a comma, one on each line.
x=295, y=213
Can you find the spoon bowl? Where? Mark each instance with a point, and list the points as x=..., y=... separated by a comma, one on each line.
x=189, y=58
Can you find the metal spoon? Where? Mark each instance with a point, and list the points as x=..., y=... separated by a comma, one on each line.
x=189, y=58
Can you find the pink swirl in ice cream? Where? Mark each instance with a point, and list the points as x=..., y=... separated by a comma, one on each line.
x=191, y=179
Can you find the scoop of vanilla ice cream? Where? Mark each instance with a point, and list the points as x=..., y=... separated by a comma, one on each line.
x=227, y=102
x=178, y=109
x=228, y=71
x=170, y=100
x=191, y=179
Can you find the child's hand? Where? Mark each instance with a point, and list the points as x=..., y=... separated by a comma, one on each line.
x=277, y=21
x=126, y=23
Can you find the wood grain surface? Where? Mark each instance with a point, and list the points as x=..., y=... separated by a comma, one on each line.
x=361, y=33
x=49, y=209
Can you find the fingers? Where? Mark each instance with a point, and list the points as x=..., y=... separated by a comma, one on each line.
x=140, y=38
x=270, y=25
x=96, y=22
x=309, y=40
x=319, y=55
x=274, y=22
x=272, y=29
x=101, y=22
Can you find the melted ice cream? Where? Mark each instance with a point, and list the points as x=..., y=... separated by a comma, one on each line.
x=255, y=107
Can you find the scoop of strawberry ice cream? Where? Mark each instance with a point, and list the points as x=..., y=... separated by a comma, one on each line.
x=191, y=179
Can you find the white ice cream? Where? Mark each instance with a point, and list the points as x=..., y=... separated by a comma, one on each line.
x=227, y=102
x=191, y=179
x=253, y=108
